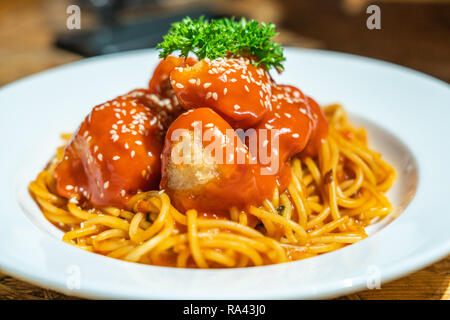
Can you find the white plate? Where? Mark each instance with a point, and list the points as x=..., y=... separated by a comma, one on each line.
x=407, y=115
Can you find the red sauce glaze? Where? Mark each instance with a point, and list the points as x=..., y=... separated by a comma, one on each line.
x=234, y=88
x=114, y=153
x=290, y=119
x=285, y=130
x=320, y=131
x=159, y=83
x=239, y=183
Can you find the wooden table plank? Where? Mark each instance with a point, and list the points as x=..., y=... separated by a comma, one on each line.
x=432, y=283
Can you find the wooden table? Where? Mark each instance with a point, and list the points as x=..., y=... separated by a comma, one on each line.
x=27, y=28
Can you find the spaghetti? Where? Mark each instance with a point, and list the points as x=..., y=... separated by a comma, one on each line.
x=331, y=197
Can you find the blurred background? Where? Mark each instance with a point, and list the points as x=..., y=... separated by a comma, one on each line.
x=34, y=35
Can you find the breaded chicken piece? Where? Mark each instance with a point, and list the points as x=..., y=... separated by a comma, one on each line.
x=205, y=166
x=234, y=88
x=115, y=152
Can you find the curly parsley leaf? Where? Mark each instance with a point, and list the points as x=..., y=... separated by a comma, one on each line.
x=224, y=38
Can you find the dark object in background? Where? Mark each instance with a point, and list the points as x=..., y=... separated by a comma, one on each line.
x=113, y=36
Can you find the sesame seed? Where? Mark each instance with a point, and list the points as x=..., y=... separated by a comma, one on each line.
x=179, y=85
x=133, y=153
x=295, y=135
x=206, y=85
x=223, y=77
x=138, y=142
x=106, y=185
x=116, y=158
x=100, y=157
x=214, y=96
x=69, y=187
x=237, y=107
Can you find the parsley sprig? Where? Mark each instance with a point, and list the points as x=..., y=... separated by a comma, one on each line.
x=224, y=37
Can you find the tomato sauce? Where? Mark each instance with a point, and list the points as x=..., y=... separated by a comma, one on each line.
x=126, y=145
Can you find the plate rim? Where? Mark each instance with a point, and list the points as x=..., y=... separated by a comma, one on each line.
x=395, y=271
